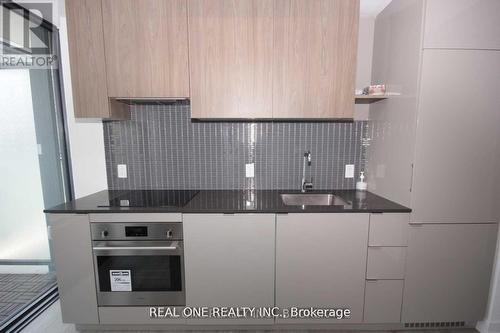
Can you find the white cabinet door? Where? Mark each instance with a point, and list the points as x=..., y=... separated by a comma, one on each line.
x=383, y=301
x=390, y=229
x=448, y=272
x=72, y=255
x=386, y=262
x=229, y=261
x=462, y=24
x=457, y=152
x=321, y=262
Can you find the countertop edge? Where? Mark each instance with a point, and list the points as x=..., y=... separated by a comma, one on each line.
x=90, y=205
x=138, y=211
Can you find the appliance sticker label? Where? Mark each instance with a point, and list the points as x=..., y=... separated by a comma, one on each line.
x=120, y=280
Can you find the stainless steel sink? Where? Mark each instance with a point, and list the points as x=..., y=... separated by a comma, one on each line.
x=312, y=199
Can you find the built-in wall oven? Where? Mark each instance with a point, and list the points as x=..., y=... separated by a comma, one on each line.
x=138, y=263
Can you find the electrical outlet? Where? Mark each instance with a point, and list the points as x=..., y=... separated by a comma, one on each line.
x=124, y=203
x=250, y=170
x=349, y=171
x=122, y=170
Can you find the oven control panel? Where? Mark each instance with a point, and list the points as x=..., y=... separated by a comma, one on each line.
x=131, y=231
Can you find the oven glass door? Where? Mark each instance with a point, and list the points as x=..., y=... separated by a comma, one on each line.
x=139, y=272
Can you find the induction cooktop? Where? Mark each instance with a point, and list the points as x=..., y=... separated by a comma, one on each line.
x=149, y=198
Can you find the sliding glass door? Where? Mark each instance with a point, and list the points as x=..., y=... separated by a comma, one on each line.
x=33, y=164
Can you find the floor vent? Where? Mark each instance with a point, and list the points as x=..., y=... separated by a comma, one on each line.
x=442, y=324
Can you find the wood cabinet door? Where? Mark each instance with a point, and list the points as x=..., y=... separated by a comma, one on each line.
x=314, y=62
x=146, y=48
x=230, y=58
x=448, y=272
x=229, y=261
x=86, y=52
x=321, y=263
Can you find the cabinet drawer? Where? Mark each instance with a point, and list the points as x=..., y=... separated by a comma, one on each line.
x=135, y=217
x=125, y=315
x=386, y=263
x=383, y=300
x=388, y=229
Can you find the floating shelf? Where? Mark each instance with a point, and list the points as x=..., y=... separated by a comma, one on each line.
x=366, y=99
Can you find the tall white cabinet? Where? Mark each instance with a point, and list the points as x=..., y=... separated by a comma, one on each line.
x=462, y=24
x=440, y=137
x=458, y=136
x=436, y=148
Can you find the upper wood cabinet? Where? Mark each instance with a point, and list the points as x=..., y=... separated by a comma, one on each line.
x=314, y=63
x=87, y=62
x=230, y=52
x=126, y=48
x=272, y=59
x=146, y=48
x=233, y=58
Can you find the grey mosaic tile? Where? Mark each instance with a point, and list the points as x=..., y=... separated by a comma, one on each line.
x=163, y=149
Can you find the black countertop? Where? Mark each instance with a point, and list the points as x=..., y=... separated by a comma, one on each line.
x=219, y=201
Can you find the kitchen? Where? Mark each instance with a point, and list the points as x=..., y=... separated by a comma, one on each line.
x=226, y=159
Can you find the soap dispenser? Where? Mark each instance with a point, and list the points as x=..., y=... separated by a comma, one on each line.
x=361, y=185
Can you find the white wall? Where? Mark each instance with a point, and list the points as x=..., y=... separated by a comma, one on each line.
x=86, y=140
x=369, y=9
x=85, y=137
x=364, y=62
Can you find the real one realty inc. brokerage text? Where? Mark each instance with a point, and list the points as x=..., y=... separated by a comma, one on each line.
x=227, y=312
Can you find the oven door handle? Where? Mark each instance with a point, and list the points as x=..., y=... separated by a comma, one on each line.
x=138, y=248
x=173, y=246
x=134, y=248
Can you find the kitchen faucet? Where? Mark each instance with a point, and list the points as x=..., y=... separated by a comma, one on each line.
x=306, y=185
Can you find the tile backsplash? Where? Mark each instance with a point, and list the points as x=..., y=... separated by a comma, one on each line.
x=163, y=149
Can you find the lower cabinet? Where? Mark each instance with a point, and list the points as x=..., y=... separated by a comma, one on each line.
x=386, y=262
x=299, y=261
x=383, y=301
x=72, y=255
x=132, y=315
x=385, y=267
x=229, y=261
x=321, y=263
x=448, y=272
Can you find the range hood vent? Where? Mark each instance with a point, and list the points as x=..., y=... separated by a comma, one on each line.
x=153, y=101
